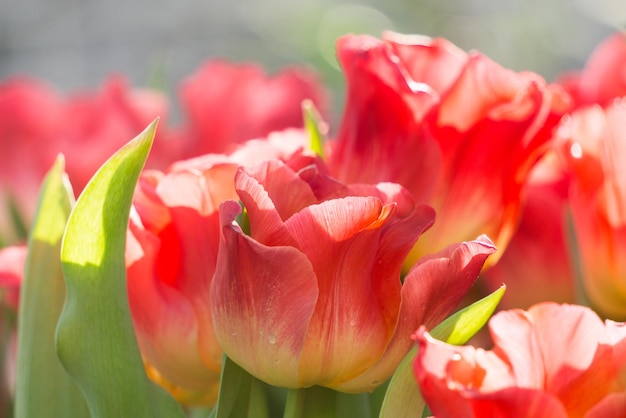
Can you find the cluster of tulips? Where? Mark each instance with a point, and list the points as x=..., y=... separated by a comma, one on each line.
x=253, y=260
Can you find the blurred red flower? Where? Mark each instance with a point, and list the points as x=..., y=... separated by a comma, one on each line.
x=593, y=144
x=604, y=76
x=226, y=104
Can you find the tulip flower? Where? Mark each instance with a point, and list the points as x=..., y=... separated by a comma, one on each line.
x=313, y=295
x=550, y=361
x=37, y=123
x=31, y=114
x=171, y=257
x=227, y=104
x=536, y=266
x=604, y=77
x=456, y=129
x=592, y=143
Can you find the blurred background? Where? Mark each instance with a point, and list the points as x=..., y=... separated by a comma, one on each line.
x=77, y=43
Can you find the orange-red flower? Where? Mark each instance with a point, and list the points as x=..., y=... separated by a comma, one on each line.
x=171, y=256
x=554, y=361
x=31, y=114
x=313, y=296
x=37, y=123
x=593, y=142
x=226, y=104
x=536, y=265
x=456, y=129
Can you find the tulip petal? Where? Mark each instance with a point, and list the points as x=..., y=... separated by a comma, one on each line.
x=612, y=405
x=262, y=299
x=349, y=313
x=512, y=334
x=379, y=127
x=165, y=321
x=446, y=373
x=435, y=62
x=262, y=191
x=468, y=382
x=431, y=290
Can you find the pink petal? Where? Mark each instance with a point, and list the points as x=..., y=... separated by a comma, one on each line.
x=430, y=291
x=468, y=382
x=341, y=238
x=435, y=62
x=262, y=299
x=165, y=321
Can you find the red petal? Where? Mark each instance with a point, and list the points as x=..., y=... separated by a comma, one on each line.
x=430, y=291
x=165, y=320
x=262, y=299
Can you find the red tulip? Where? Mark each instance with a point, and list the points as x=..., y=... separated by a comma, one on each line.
x=593, y=141
x=31, y=115
x=536, y=266
x=171, y=257
x=604, y=77
x=228, y=104
x=551, y=361
x=457, y=130
x=313, y=296
x=99, y=122
x=37, y=123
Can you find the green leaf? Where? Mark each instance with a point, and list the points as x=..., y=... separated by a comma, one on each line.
x=574, y=253
x=315, y=127
x=403, y=398
x=320, y=402
x=41, y=299
x=241, y=394
x=95, y=337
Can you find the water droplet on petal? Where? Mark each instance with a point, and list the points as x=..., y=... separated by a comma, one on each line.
x=271, y=339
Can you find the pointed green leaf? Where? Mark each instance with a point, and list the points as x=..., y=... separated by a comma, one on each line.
x=41, y=299
x=463, y=325
x=403, y=398
x=315, y=127
x=95, y=337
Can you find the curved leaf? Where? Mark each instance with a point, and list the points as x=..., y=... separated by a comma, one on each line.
x=41, y=299
x=95, y=338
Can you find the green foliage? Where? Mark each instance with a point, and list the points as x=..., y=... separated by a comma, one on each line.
x=314, y=126
x=43, y=388
x=95, y=336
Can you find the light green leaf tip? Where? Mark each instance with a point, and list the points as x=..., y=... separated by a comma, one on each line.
x=314, y=126
x=41, y=299
x=403, y=398
x=95, y=336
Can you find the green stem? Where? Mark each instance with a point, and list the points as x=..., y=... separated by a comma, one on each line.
x=319, y=402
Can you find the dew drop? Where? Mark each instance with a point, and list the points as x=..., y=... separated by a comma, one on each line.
x=271, y=339
x=576, y=150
